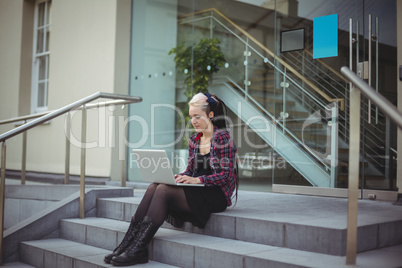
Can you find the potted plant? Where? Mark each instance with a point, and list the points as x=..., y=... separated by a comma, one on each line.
x=198, y=62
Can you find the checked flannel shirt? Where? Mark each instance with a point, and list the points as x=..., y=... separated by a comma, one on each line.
x=222, y=162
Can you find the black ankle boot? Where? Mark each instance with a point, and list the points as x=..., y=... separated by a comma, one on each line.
x=137, y=252
x=128, y=238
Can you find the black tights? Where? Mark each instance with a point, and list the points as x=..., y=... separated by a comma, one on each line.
x=158, y=200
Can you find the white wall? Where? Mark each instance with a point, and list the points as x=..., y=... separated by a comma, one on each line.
x=89, y=52
x=10, y=46
x=81, y=63
x=10, y=59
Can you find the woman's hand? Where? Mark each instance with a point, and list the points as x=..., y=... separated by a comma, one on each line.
x=186, y=179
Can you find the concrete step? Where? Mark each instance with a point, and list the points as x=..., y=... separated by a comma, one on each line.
x=63, y=253
x=185, y=249
x=314, y=224
x=243, y=236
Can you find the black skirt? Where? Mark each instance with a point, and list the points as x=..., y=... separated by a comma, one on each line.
x=202, y=202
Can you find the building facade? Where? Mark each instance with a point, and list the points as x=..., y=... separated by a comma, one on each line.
x=289, y=105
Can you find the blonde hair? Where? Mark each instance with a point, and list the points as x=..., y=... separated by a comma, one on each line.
x=219, y=108
x=199, y=100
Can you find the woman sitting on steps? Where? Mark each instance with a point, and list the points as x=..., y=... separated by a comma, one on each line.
x=212, y=162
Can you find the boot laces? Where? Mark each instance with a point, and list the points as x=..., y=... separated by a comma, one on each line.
x=139, y=238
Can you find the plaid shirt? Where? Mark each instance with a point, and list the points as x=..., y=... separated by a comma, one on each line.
x=222, y=162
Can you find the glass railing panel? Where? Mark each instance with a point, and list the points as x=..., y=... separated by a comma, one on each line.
x=305, y=118
x=262, y=84
x=300, y=114
x=234, y=49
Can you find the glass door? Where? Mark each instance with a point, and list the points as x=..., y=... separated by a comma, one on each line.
x=377, y=57
x=375, y=49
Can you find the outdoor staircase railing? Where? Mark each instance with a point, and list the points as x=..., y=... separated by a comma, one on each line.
x=389, y=110
x=41, y=118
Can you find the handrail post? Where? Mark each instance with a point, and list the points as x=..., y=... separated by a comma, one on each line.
x=388, y=157
x=2, y=196
x=67, y=155
x=353, y=191
x=247, y=53
x=283, y=100
x=24, y=156
x=334, y=144
x=124, y=175
x=83, y=155
x=354, y=153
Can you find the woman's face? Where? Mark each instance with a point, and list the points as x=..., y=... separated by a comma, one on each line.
x=199, y=118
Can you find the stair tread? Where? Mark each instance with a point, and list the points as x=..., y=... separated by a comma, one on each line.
x=204, y=249
x=82, y=252
x=220, y=245
x=288, y=209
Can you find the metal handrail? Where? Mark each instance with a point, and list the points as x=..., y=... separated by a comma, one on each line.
x=88, y=106
x=45, y=117
x=63, y=110
x=389, y=110
x=272, y=54
x=379, y=100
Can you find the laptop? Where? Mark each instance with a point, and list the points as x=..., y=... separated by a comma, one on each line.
x=155, y=167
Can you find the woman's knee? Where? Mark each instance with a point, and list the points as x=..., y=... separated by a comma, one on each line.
x=163, y=190
x=162, y=187
x=152, y=187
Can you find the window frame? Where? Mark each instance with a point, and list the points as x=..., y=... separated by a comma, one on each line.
x=40, y=76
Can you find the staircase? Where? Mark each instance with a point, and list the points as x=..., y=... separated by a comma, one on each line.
x=274, y=136
x=262, y=230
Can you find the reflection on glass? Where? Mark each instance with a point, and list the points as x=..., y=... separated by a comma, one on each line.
x=42, y=91
x=46, y=48
x=43, y=68
x=41, y=14
x=39, y=41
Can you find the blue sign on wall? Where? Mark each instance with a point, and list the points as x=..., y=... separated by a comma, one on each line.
x=325, y=36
